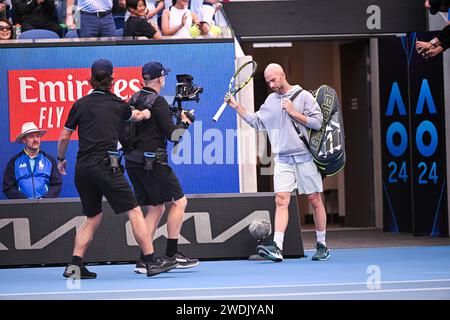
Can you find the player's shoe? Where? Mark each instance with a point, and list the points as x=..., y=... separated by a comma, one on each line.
x=78, y=272
x=322, y=253
x=183, y=261
x=271, y=252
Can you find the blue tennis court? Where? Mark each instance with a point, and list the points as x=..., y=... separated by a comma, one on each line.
x=368, y=273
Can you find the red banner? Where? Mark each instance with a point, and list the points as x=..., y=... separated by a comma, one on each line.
x=46, y=96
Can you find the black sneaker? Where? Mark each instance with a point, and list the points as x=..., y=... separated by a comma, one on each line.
x=183, y=261
x=78, y=272
x=322, y=253
x=271, y=252
x=140, y=267
x=159, y=266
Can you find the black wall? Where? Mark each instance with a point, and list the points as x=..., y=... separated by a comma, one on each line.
x=215, y=227
x=251, y=20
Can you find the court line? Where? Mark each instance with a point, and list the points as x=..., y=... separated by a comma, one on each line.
x=222, y=288
x=271, y=295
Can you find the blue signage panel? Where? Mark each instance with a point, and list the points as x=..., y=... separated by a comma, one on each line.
x=42, y=81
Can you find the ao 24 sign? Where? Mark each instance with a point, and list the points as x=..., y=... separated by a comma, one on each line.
x=426, y=147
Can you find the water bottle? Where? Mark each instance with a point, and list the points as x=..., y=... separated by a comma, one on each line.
x=17, y=31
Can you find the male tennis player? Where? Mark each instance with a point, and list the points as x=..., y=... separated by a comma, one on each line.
x=294, y=166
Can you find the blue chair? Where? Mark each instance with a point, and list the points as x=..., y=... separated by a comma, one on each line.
x=38, y=34
x=71, y=34
x=119, y=33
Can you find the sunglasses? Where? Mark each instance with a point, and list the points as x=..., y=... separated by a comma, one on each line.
x=2, y=28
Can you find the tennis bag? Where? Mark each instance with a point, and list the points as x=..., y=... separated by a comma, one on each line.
x=327, y=145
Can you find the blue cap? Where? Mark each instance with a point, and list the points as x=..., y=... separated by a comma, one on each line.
x=102, y=65
x=153, y=70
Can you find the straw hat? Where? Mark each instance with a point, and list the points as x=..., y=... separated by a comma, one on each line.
x=29, y=127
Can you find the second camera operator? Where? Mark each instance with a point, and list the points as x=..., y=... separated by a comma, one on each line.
x=153, y=179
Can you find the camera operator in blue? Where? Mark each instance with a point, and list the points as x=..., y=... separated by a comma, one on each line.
x=154, y=181
x=32, y=173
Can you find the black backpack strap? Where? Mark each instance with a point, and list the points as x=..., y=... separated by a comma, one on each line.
x=138, y=99
x=299, y=133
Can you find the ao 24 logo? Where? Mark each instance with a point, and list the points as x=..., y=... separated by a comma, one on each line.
x=398, y=171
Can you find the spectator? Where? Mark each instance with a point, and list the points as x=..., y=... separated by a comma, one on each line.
x=38, y=14
x=5, y=5
x=441, y=42
x=137, y=24
x=152, y=13
x=178, y=19
x=32, y=173
x=208, y=10
x=96, y=19
x=6, y=30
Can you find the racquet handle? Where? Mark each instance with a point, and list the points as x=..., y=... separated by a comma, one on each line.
x=219, y=112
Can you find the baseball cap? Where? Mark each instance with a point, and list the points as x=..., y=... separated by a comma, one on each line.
x=153, y=70
x=102, y=65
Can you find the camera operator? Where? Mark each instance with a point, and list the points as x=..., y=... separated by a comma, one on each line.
x=147, y=166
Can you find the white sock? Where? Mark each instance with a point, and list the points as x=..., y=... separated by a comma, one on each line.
x=279, y=238
x=321, y=237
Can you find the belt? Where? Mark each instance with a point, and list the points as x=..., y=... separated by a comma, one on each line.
x=99, y=14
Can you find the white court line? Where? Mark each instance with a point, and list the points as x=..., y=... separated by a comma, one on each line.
x=271, y=295
x=222, y=288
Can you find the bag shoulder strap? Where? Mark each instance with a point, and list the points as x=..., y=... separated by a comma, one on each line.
x=139, y=99
x=300, y=134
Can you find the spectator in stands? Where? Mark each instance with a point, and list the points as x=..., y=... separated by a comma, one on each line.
x=6, y=30
x=441, y=42
x=96, y=19
x=205, y=9
x=4, y=6
x=208, y=10
x=178, y=19
x=137, y=24
x=119, y=8
x=31, y=173
x=152, y=13
x=37, y=14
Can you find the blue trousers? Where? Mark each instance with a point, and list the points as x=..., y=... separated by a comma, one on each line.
x=92, y=26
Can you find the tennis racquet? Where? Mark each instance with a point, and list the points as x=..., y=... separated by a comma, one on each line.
x=241, y=78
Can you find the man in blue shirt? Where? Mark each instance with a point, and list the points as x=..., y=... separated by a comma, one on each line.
x=96, y=19
x=32, y=173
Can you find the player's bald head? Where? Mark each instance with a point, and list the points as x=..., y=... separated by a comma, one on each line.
x=273, y=68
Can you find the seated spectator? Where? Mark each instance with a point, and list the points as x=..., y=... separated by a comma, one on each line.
x=154, y=8
x=32, y=173
x=178, y=19
x=37, y=14
x=96, y=19
x=208, y=10
x=6, y=30
x=137, y=24
x=5, y=5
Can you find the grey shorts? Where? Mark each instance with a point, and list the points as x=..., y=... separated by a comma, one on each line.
x=303, y=176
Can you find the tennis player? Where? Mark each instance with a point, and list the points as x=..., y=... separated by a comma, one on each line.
x=294, y=165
